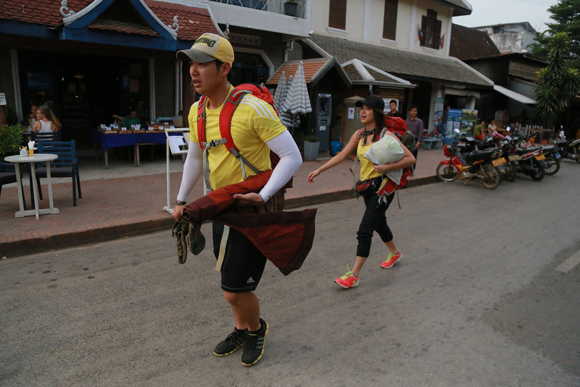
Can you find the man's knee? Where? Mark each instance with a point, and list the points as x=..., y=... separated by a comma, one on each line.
x=235, y=298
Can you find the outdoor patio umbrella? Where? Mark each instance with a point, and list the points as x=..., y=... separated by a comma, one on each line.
x=297, y=99
x=286, y=117
x=280, y=94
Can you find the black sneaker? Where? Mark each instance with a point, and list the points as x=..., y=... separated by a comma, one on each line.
x=254, y=348
x=195, y=238
x=235, y=340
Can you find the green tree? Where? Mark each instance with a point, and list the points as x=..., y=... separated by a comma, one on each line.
x=566, y=16
x=557, y=84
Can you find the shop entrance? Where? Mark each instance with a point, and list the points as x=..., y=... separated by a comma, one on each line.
x=84, y=91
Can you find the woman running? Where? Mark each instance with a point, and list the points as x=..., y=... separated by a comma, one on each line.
x=374, y=219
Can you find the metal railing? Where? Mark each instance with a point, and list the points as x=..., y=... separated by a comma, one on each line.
x=294, y=8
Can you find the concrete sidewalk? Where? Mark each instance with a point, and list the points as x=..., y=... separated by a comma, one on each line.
x=126, y=200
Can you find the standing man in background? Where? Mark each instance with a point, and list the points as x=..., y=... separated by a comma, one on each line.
x=393, y=112
x=415, y=126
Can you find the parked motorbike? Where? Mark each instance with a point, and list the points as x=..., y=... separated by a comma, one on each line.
x=552, y=159
x=505, y=168
x=475, y=164
x=568, y=149
x=530, y=162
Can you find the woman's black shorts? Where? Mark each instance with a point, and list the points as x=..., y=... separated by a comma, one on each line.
x=243, y=263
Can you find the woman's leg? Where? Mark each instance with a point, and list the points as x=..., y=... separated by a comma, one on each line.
x=373, y=220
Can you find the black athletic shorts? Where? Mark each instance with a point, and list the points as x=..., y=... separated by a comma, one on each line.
x=243, y=263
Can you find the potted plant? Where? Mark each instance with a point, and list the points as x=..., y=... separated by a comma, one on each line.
x=11, y=139
x=311, y=146
x=291, y=8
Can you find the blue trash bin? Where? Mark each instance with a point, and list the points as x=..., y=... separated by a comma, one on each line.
x=335, y=147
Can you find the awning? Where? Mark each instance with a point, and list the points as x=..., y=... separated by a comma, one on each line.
x=363, y=73
x=513, y=95
x=462, y=93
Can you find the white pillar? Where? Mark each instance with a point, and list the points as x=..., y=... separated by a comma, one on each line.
x=470, y=102
x=413, y=32
x=367, y=20
x=436, y=91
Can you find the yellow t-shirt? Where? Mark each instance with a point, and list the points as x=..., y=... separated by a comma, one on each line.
x=366, y=166
x=254, y=122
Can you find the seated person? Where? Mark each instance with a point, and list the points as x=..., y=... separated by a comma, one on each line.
x=46, y=121
x=129, y=120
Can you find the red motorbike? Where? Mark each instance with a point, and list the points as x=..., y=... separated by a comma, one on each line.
x=477, y=164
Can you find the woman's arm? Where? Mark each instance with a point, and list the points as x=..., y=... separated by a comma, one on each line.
x=37, y=126
x=338, y=158
x=407, y=160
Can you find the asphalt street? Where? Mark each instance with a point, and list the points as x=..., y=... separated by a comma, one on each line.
x=486, y=295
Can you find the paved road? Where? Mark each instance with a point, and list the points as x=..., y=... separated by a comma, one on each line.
x=477, y=301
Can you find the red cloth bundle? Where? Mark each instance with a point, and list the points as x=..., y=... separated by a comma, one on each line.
x=285, y=238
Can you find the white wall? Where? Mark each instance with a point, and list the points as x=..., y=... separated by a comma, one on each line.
x=364, y=22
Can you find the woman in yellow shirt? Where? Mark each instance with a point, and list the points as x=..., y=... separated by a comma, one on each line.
x=374, y=219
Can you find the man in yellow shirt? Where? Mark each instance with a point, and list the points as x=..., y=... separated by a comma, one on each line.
x=255, y=129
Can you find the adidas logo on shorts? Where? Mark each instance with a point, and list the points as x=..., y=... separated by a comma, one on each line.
x=250, y=280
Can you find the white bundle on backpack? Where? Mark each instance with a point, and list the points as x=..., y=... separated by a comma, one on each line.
x=387, y=151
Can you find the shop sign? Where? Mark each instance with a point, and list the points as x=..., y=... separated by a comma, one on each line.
x=250, y=40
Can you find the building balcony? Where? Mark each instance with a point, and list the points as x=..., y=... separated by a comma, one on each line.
x=279, y=16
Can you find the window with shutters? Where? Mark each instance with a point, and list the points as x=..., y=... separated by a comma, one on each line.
x=337, y=16
x=390, y=19
x=431, y=30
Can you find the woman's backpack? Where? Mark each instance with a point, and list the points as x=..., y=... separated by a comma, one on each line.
x=398, y=127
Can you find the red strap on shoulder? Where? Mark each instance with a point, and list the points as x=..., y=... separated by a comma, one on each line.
x=232, y=102
x=201, y=121
x=359, y=133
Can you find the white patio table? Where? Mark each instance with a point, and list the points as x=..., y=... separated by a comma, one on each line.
x=36, y=158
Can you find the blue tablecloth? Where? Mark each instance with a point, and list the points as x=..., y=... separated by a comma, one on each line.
x=129, y=139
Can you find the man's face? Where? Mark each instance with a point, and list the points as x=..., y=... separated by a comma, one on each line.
x=133, y=114
x=206, y=76
x=413, y=113
x=393, y=106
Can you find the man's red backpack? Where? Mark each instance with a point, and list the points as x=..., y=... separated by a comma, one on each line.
x=398, y=127
x=230, y=106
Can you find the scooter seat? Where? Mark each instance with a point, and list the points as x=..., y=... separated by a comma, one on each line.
x=479, y=154
x=520, y=151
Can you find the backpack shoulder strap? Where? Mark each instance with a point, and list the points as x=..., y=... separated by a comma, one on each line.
x=230, y=106
x=383, y=132
x=201, y=121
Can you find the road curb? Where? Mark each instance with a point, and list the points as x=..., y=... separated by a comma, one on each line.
x=165, y=222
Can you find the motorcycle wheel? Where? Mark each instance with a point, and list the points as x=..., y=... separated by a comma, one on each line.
x=510, y=172
x=491, y=177
x=447, y=172
x=553, y=165
x=539, y=172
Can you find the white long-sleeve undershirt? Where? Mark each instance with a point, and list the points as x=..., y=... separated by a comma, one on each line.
x=283, y=145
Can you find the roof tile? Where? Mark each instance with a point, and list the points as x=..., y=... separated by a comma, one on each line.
x=193, y=21
x=311, y=67
x=399, y=62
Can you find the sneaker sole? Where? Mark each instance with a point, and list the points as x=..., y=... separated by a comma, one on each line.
x=346, y=287
x=229, y=353
x=263, y=348
x=388, y=267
